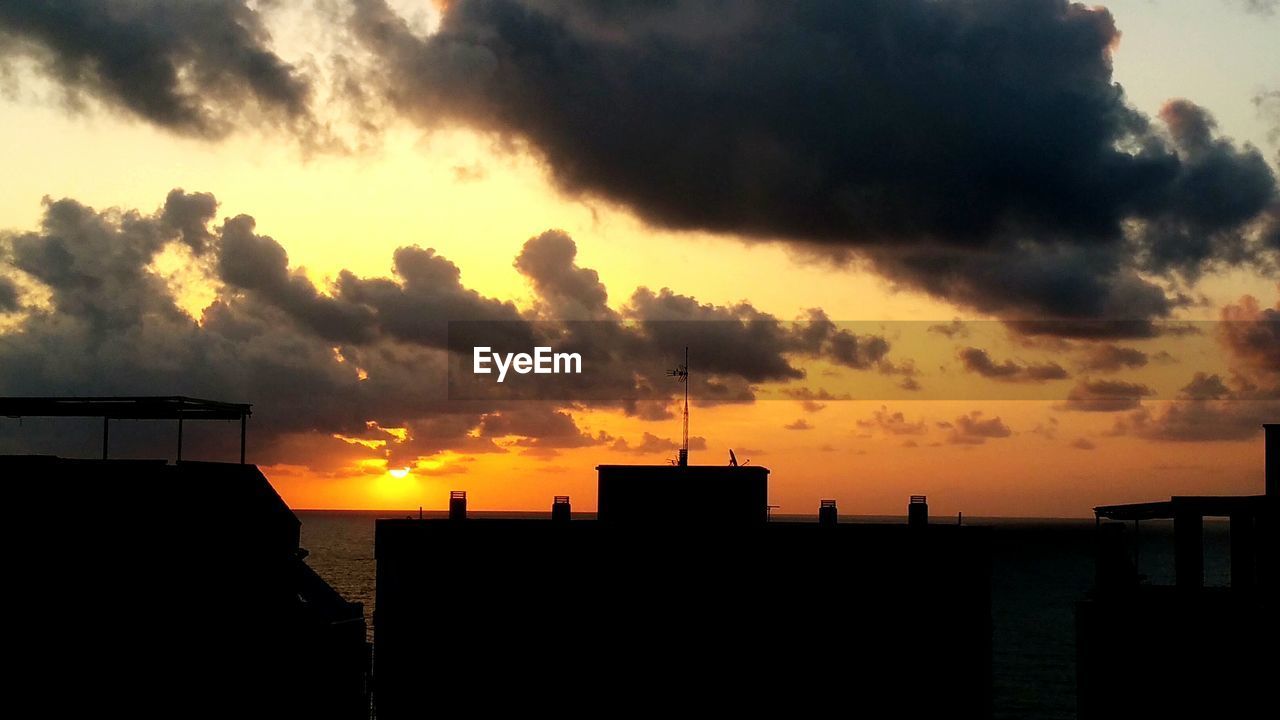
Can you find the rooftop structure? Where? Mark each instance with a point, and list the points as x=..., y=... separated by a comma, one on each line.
x=671, y=494
x=174, y=407
x=1150, y=650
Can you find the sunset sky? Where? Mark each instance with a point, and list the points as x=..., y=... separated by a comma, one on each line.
x=1017, y=255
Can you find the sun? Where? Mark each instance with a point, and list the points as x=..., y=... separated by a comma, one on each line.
x=399, y=473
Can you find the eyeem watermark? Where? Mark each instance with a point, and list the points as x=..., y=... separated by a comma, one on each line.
x=542, y=362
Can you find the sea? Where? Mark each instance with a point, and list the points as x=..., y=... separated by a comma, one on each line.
x=1040, y=568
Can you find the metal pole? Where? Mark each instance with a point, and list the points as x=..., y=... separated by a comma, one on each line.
x=243, y=420
x=179, y=438
x=105, y=425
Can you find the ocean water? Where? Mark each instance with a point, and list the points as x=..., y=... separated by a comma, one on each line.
x=1040, y=568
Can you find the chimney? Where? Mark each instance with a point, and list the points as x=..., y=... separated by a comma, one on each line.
x=1273, y=459
x=457, y=504
x=827, y=512
x=560, y=508
x=918, y=511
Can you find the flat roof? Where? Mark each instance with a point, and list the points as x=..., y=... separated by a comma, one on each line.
x=682, y=473
x=684, y=468
x=1203, y=505
x=171, y=407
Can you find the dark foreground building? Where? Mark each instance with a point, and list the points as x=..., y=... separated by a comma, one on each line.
x=681, y=597
x=1185, y=650
x=142, y=589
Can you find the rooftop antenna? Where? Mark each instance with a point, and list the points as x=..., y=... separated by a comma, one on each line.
x=681, y=374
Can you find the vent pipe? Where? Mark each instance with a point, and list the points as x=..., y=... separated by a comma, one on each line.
x=918, y=511
x=457, y=504
x=827, y=514
x=560, y=511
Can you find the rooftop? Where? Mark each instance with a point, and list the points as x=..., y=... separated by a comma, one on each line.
x=172, y=407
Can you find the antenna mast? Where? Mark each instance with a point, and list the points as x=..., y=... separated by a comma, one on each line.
x=681, y=374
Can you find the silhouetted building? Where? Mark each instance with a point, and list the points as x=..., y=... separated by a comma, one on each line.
x=1184, y=650
x=681, y=598
x=156, y=590
x=669, y=494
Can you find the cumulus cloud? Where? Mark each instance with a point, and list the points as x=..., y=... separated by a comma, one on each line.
x=1252, y=334
x=978, y=361
x=892, y=423
x=343, y=361
x=630, y=347
x=976, y=429
x=1199, y=421
x=995, y=164
x=976, y=150
x=651, y=444
x=112, y=326
x=1105, y=357
x=1213, y=408
x=1105, y=396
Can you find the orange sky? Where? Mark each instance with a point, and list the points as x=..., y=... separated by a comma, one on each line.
x=476, y=201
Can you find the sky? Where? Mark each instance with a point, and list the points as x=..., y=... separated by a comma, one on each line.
x=1019, y=256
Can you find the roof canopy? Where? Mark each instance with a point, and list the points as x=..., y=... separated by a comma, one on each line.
x=1202, y=505
x=174, y=407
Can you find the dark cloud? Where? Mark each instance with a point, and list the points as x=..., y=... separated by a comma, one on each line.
x=111, y=326
x=314, y=364
x=975, y=429
x=189, y=214
x=1083, y=444
x=1105, y=396
x=95, y=265
x=568, y=292
x=651, y=444
x=195, y=68
x=976, y=360
x=953, y=329
x=1252, y=334
x=425, y=293
x=367, y=353
x=892, y=423
x=1218, y=190
x=1211, y=408
x=799, y=424
x=259, y=265
x=1199, y=421
x=539, y=427
x=808, y=393
x=1111, y=358
x=1205, y=387
x=8, y=295
x=979, y=151
x=813, y=400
